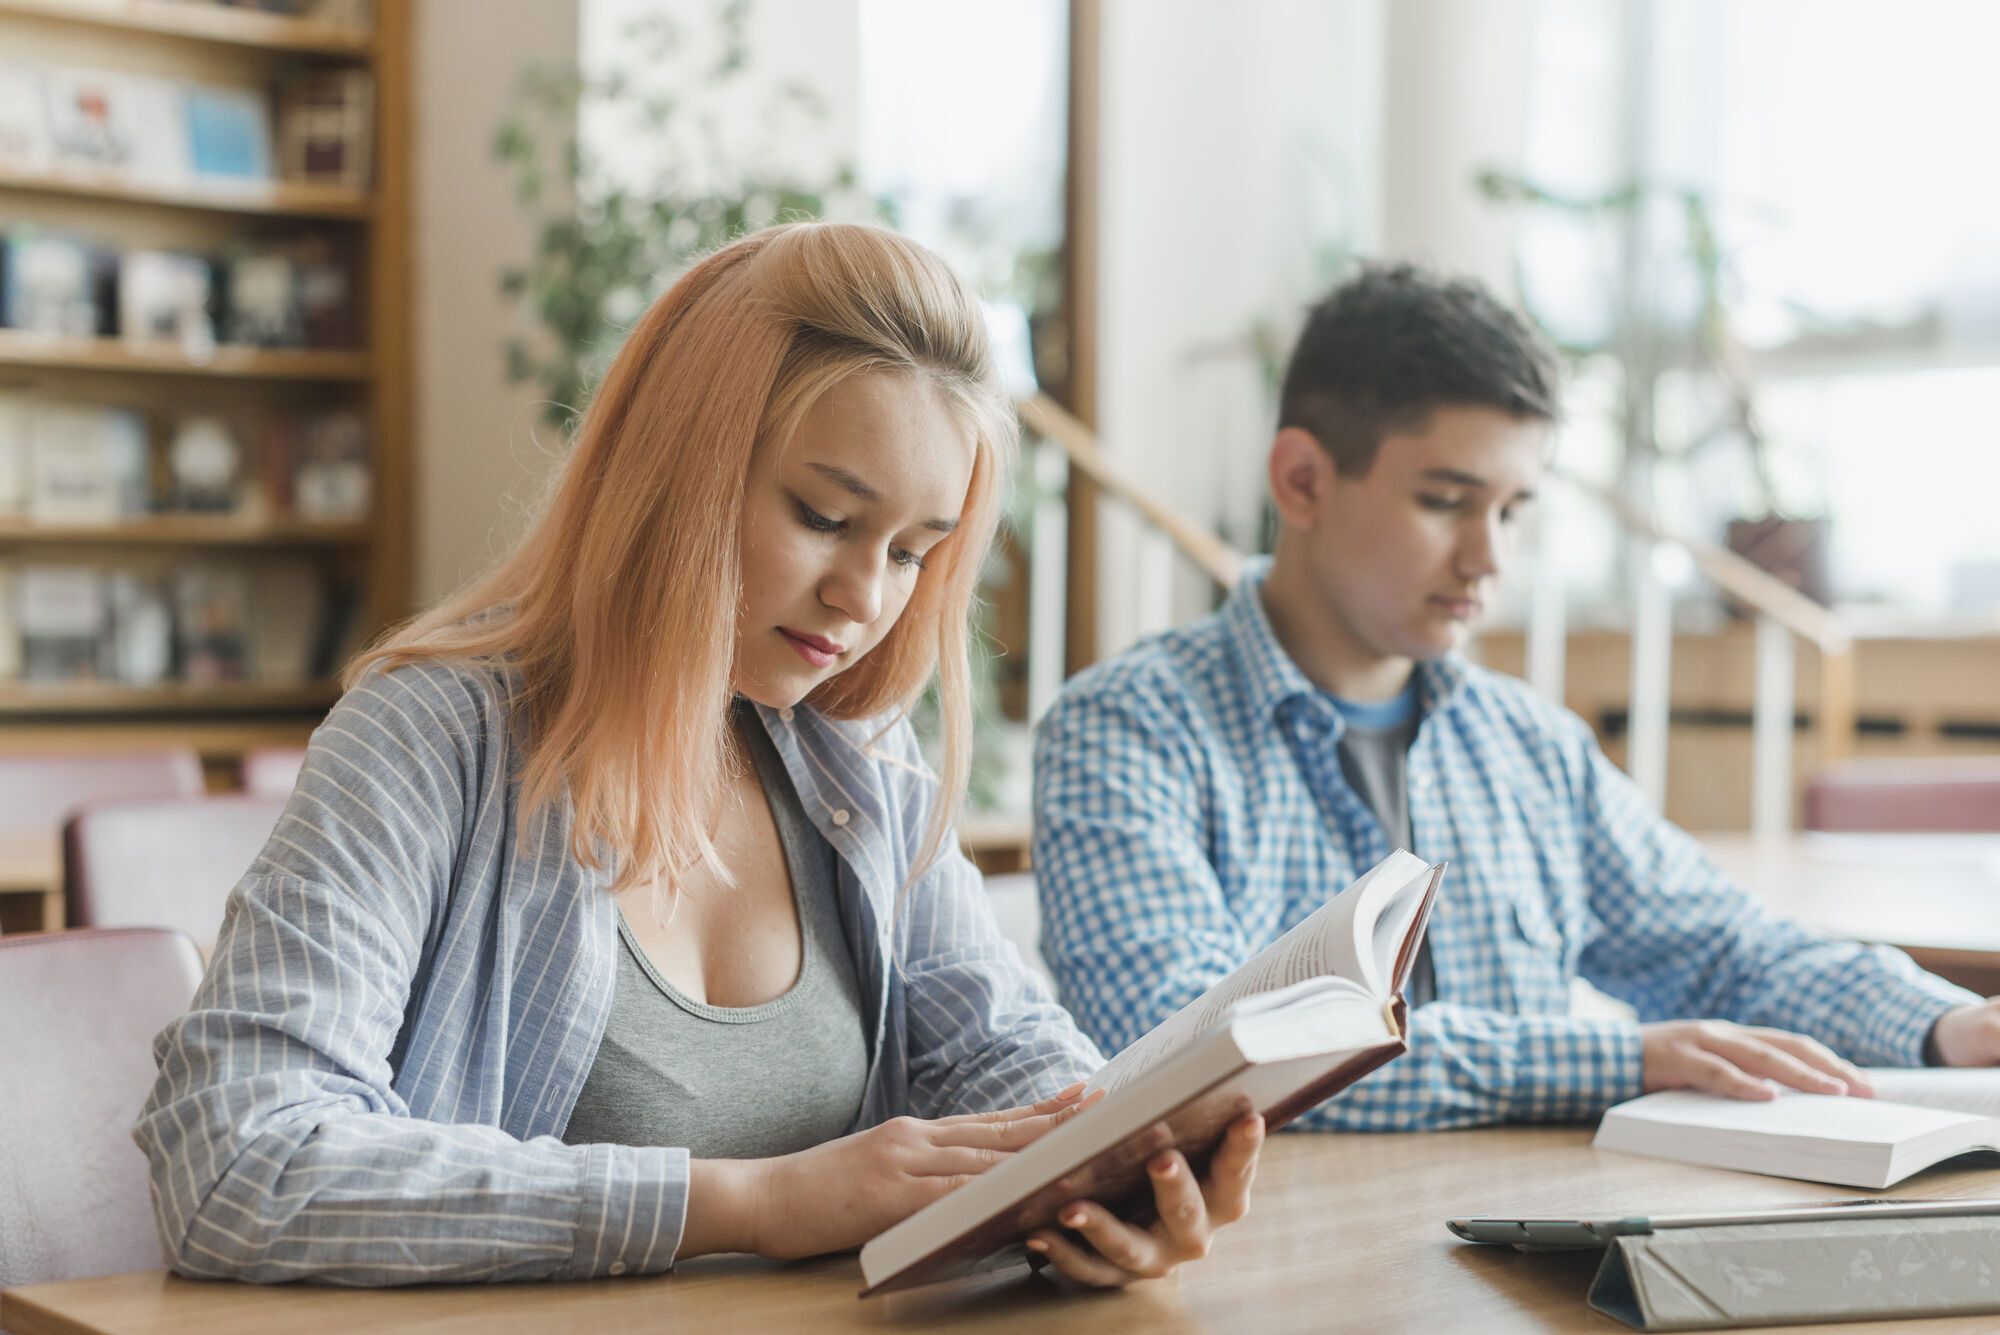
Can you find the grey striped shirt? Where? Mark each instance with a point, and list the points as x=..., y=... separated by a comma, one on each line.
x=410, y=985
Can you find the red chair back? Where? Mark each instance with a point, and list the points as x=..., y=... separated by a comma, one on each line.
x=78, y=1011
x=163, y=864
x=1935, y=794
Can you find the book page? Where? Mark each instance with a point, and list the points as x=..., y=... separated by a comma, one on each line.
x=1792, y=1113
x=1970, y=1091
x=1325, y=943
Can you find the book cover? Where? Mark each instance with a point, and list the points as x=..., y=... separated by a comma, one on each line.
x=205, y=465
x=141, y=627
x=17, y=416
x=61, y=612
x=331, y=477
x=89, y=464
x=288, y=606
x=54, y=283
x=24, y=122
x=127, y=125
x=326, y=127
x=164, y=295
x=212, y=623
x=228, y=132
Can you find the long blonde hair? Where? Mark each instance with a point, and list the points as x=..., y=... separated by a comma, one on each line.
x=609, y=608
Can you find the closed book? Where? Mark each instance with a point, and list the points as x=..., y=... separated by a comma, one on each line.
x=1312, y=1013
x=1919, y=1119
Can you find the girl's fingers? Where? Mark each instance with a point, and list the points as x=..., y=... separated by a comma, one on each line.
x=1067, y=1098
x=1079, y=1263
x=1232, y=1170
x=1006, y=1134
x=1132, y=1250
x=1183, y=1212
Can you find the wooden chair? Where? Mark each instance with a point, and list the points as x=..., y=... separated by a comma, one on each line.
x=272, y=771
x=163, y=864
x=1934, y=794
x=76, y=1029
x=40, y=791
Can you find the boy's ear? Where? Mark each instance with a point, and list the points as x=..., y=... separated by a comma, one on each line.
x=1302, y=477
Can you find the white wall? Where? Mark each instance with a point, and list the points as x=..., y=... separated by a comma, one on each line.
x=1233, y=138
x=1236, y=138
x=476, y=457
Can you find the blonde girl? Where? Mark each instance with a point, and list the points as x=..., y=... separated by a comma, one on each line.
x=615, y=918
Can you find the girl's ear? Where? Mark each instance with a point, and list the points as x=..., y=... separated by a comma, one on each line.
x=1301, y=477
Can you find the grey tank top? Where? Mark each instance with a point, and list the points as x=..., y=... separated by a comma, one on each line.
x=1375, y=761
x=738, y=1082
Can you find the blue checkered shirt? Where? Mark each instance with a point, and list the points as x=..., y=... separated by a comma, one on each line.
x=1190, y=807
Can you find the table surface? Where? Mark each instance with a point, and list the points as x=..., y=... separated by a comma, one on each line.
x=1923, y=891
x=1345, y=1231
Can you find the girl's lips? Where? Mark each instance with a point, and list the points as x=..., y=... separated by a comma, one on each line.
x=814, y=649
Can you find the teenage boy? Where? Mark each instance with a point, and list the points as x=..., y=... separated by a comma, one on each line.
x=1200, y=794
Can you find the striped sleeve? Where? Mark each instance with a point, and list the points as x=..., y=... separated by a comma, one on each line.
x=279, y=1148
x=984, y=1031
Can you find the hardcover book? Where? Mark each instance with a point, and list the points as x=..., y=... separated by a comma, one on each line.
x=1315, y=1011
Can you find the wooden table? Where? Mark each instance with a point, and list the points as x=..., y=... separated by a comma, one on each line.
x=31, y=864
x=1345, y=1232
x=1935, y=895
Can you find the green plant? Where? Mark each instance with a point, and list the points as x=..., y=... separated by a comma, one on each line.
x=614, y=229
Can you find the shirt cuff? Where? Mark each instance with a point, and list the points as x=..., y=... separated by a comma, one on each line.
x=1571, y=1068
x=633, y=1208
x=1900, y=1015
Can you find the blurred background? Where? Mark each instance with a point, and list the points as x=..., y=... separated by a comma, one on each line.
x=298, y=300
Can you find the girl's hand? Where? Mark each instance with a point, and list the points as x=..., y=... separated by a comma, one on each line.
x=1102, y=1250
x=836, y=1196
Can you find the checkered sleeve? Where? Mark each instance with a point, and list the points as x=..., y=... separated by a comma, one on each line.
x=1468, y=1066
x=1134, y=920
x=1683, y=941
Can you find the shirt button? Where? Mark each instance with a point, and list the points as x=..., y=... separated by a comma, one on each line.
x=786, y=713
x=840, y=816
x=615, y=1268
x=1303, y=730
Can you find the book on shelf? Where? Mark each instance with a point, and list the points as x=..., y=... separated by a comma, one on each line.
x=288, y=606
x=87, y=464
x=205, y=466
x=212, y=623
x=228, y=132
x=141, y=647
x=330, y=474
x=17, y=416
x=326, y=127
x=1918, y=1118
x=10, y=629
x=127, y=125
x=1312, y=1013
x=24, y=121
x=53, y=282
x=165, y=296
x=60, y=614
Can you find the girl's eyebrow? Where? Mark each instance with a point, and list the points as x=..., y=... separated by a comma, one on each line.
x=847, y=481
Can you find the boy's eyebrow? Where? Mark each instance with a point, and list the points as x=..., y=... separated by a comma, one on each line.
x=1456, y=476
x=848, y=482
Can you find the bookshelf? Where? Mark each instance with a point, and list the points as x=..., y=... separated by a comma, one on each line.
x=232, y=47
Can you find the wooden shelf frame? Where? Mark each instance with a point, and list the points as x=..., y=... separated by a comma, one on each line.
x=270, y=199
x=54, y=352
x=198, y=22
x=188, y=531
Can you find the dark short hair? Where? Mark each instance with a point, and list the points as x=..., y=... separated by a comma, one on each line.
x=1394, y=343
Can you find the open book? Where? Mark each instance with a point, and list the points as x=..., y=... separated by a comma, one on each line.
x=1312, y=1013
x=1918, y=1118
